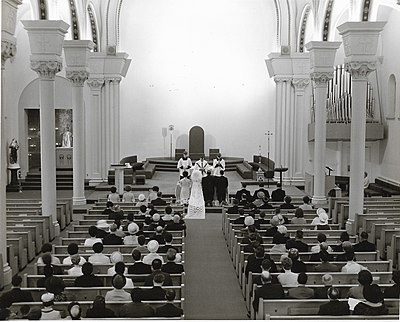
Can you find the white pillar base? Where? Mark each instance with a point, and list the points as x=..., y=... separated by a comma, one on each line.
x=350, y=227
x=319, y=200
x=56, y=228
x=76, y=201
x=7, y=273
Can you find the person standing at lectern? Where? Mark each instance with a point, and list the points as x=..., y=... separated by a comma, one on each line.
x=218, y=165
x=184, y=164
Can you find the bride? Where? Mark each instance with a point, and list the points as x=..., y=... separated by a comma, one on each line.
x=196, y=209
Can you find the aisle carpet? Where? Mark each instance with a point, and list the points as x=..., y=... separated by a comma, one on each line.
x=212, y=290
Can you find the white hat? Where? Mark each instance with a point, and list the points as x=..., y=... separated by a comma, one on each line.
x=156, y=217
x=159, y=229
x=281, y=219
x=102, y=224
x=282, y=229
x=141, y=197
x=248, y=221
x=133, y=228
x=116, y=257
x=47, y=297
x=152, y=246
x=323, y=217
x=320, y=210
x=178, y=258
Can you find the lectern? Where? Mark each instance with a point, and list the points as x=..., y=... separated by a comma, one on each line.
x=119, y=176
x=280, y=170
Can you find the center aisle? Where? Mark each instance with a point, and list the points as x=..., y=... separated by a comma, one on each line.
x=212, y=290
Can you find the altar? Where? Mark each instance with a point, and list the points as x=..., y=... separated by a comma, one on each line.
x=64, y=157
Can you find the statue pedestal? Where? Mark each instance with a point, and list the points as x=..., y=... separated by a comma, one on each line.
x=119, y=176
x=13, y=186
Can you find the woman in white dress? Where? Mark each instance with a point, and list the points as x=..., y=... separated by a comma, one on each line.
x=196, y=209
x=182, y=191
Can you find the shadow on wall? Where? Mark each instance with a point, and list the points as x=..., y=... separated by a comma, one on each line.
x=182, y=142
x=209, y=143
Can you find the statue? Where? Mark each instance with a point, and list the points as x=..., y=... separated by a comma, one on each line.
x=67, y=138
x=13, y=153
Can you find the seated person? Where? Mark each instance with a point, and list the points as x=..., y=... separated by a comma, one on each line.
x=278, y=194
x=142, y=244
x=364, y=245
x=169, y=309
x=347, y=247
x=103, y=228
x=321, y=238
x=301, y=291
x=109, y=208
x=117, y=213
x=76, y=269
x=272, y=230
x=48, y=248
x=316, y=257
x=167, y=218
x=138, y=267
x=288, y=203
x=99, y=310
x=298, y=218
x=176, y=225
x=243, y=201
x=132, y=238
x=167, y=243
x=88, y=279
x=241, y=218
x=158, y=235
x=266, y=266
x=321, y=218
x=351, y=266
x=344, y=236
x=364, y=279
x=74, y=310
x=334, y=306
x=159, y=201
x=115, y=258
x=155, y=222
x=394, y=290
x=170, y=266
x=56, y=286
x=153, y=194
x=288, y=277
x=121, y=269
x=142, y=200
x=48, y=313
x=254, y=261
x=93, y=239
x=113, y=196
x=298, y=266
x=325, y=266
x=156, y=293
x=235, y=207
x=156, y=267
x=259, y=200
x=242, y=191
x=112, y=238
x=261, y=220
x=48, y=272
x=261, y=188
x=47, y=259
x=98, y=257
x=279, y=240
x=283, y=220
x=117, y=293
x=128, y=195
x=152, y=247
x=323, y=223
x=297, y=242
x=322, y=292
x=16, y=295
x=373, y=304
x=268, y=290
x=136, y=309
x=306, y=204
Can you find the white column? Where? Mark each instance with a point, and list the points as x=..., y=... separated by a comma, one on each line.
x=46, y=38
x=360, y=41
x=117, y=125
x=94, y=130
x=278, y=120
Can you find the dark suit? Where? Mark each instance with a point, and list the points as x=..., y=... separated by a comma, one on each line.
x=265, y=205
x=17, y=295
x=149, y=279
x=268, y=291
x=287, y=206
x=233, y=210
x=254, y=264
x=326, y=267
x=266, y=193
x=175, y=226
x=298, y=266
x=364, y=309
x=293, y=243
x=172, y=268
x=88, y=281
x=159, y=202
x=278, y=195
x=334, y=308
x=160, y=239
x=139, y=268
x=260, y=222
x=392, y=292
x=153, y=294
x=316, y=257
x=301, y=292
x=239, y=220
x=221, y=186
x=164, y=249
x=169, y=310
x=364, y=246
x=242, y=191
x=112, y=239
x=101, y=233
x=136, y=310
x=208, y=188
x=271, y=231
x=321, y=292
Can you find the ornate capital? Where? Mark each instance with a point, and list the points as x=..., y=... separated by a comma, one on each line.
x=300, y=83
x=95, y=83
x=78, y=78
x=8, y=50
x=115, y=79
x=359, y=69
x=46, y=69
x=321, y=78
x=281, y=79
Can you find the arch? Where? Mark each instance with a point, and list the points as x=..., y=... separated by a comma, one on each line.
x=43, y=12
x=365, y=10
x=74, y=20
x=302, y=29
x=283, y=22
x=112, y=22
x=93, y=27
x=327, y=20
x=391, y=97
x=29, y=99
x=196, y=142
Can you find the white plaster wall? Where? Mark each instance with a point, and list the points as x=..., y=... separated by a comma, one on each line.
x=197, y=63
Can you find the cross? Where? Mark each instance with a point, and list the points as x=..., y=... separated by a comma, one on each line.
x=268, y=134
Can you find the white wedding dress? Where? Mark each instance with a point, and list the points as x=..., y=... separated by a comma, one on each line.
x=196, y=209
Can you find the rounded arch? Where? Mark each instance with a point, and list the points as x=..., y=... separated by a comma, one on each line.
x=301, y=39
x=112, y=22
x=284, y=22
x=93, y=26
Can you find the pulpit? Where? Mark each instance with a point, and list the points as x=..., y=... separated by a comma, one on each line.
x=64, y=158
x=119, y=176
x=309, y=184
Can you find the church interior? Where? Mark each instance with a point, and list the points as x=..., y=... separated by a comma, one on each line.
x=299, y=96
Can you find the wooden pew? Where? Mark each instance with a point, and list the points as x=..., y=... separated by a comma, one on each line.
x=37, y=237
x=80, y=240
x=40, y=223
x=17, y=247
x=364, y=221
x=393, y=251
x=30, y=217
x=124, y=249
x=27, y=241
x=386, y=238
x=12, y=259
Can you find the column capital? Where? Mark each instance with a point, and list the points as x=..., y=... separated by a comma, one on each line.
x=46, y=69
x=113, y=79
x=8, y=50
x=300, y=83
x=95, y=83
x=321, y=78
x=77, y=77
x=360, y=69
x=281, y=79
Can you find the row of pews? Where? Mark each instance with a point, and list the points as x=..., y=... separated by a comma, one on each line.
x=299, y=309
x=77, y=233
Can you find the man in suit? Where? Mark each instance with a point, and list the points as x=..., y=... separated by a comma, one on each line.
x=169, y=309
x=171, y=267
x=393, y=291
x=266, y=266
x=221, y=187
x=297, y=242
x=316, y=257
x=177, y=224
x=235, y=207
x=208, y=186
x=288, y=203
x=301, y=291
x=88, y=279
x=138, y=267
x=159, y=201
x=334, y=306
x=261, y=189
x=261, y=220
x=156, y=266
x=112, y=238
x=347, y=247
x=267, y=290
x=167, y=243
x=254, y=261
x=273, y=230
x=325, y=266
x=322, y=292
x=364, y=245
x=298, y=266
x=156, y=293
x=16, y=294
x=278, y=194
x=239, y=193
x=136, y=309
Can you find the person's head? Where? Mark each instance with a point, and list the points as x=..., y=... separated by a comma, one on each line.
x=87, y=268
x=47, y=299
x=221, y=172
x=185, y=174
x=302, y=278
x=364, y=235
x=266, y=277
x=152, y=246
x=74, y=310
x=241, y=211
x=321, y=238
x=260, y=195
x=262, y=214
x=133, y=228
x=99, y=302
x=299, y=234
x=170, y=295
x=159, y=194
x=333, y=293
x=156, y=217
x=155, y=188
x=116, y=257
x=24, y=311
x=72, y=249
x=176, y=219
x=35, y=314
x=373, y=293
x=396, y=277
x=141, y=240
x=266, y=265
x=128, y=188
x=350, y=256
x=299, y=213
x=323, y=247
x=158, y=279
x=16, y=281
x=171, y=254
x=288, y=199
x=136, y=295
x=365, y=174
x=48, y=270
x=130, y=217
x=287, y=263
x=344, y=236
x=47, y=248
x=97, y=248
x=118, y=281
x=141, y=198
x=279, y=238
x=168, y=237
x=364, y=277
x=306, y=199
x=120, y=268
x=278, y=185
x=347, y=246
x=274, y=221
x=327, y=279
x=156, y=264
x=109, y=204
x=248, y=221
x=75, y=259
x=103, y=225
x=113, y=189
x=219, y=155
x=293, y=254
x=259, y=252
x=324, y=256
x=92, y=231
x=136, y=254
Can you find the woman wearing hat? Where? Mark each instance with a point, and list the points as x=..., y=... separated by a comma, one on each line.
x=373, y=304
x=321, y=219
x=142, y=200
x=132, y=239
